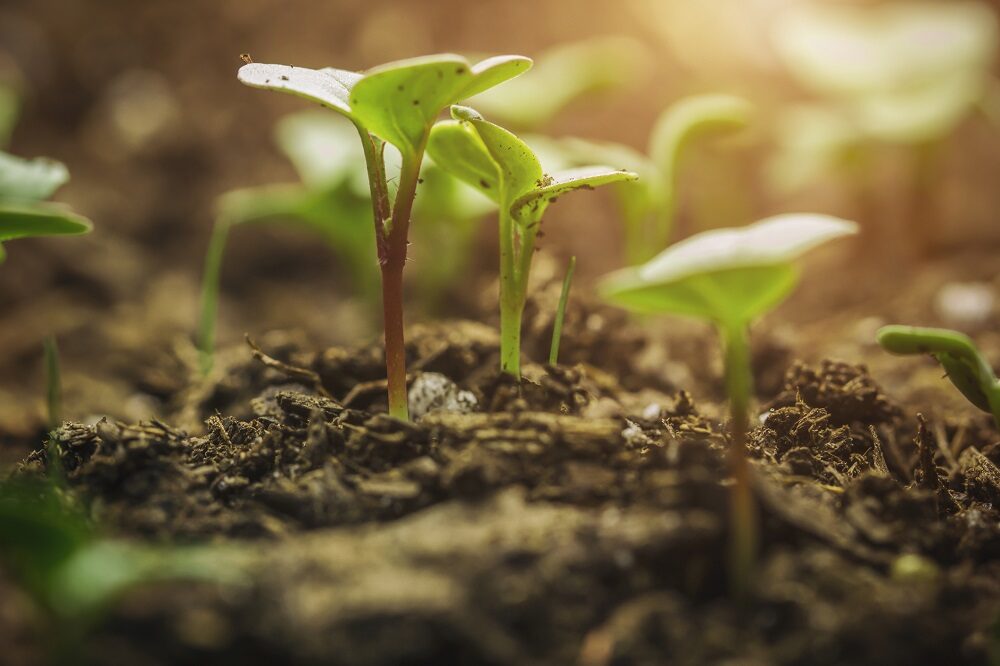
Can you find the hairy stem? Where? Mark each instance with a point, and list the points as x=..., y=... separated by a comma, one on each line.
x=392, y=261
x=743, y=530
x=210, y=293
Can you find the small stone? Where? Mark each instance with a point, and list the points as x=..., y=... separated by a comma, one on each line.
x=433, y=392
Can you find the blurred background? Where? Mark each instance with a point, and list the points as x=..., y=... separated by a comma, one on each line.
x=883, y=112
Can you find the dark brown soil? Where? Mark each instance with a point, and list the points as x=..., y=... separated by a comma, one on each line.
x=565, y=521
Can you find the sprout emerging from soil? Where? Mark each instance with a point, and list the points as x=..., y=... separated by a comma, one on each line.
x=729, y=277
x=504, y=168
x=24, y=213
x=395, y=103
x=557, y=325
x=964, y=364
x=648, y=206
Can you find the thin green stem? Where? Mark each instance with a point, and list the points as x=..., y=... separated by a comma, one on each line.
x=511, y=305
x=561, y=312
x=743, y=529
x=210, y=293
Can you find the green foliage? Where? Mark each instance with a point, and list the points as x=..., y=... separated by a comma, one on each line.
x=964, y=364
x=729, y=277
x=395, y=103
x=648, y=206
x=504, y=168
x=562, y=75
x=24, y=184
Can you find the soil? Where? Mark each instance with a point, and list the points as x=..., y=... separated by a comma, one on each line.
x=573, y=519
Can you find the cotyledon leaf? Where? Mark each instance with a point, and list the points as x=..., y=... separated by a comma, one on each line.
x=30, y=179
x=329, y=86
x=568, y=180
x=28, y=220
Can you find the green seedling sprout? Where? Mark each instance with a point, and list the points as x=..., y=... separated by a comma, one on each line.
x=648, y=206
x=396, y=103
x=964, y=364
x=562, y=75
x=729, y=277
x=24, y=213
x=504, y=168
x=557, y=325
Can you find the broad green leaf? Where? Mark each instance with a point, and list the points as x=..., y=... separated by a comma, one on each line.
x=519, y=168
x=456, y=147
x=562, y=75
x=690, y=117
x=399, y=101
x=561, y=182
x=28, y=220
x=329, y=87
x=725, y=275
x=30, y=180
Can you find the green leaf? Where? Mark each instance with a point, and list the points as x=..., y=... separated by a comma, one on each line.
x=329, y=87
x=30, y=180
x=456, y=147
x=562, y=75
x=727, y=275
x=324, y=149
x=561, y=182
x=400, y=101
x=27, y=220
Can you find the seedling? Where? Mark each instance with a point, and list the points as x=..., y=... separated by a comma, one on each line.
x=964, y=364
x=504, y=168
x=24, y=213
x=396, y=103
x=561, y=312
x=562, y=75
x=648, y=206
x=729, y=277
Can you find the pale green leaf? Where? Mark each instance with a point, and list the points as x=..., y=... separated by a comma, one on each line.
x=329, y=86
x=400, y=101
x=690, y=117
x=30, y=180
x=28, y=220
x=726, y=275
x=561, y=182
x=456, y=147
x=324, y=149
x=520, y=170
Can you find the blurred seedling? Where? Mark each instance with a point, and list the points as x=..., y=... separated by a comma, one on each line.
x=963, y=363
x=561, y=76
x=557, y=324
x=730, y=278
x=504, y=168
x=648, y=206
x=73, y=575
x=395, y=103
x=900, y=73
x=24, y=212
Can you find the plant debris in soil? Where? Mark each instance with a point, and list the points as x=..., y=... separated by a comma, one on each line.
x=569, y=521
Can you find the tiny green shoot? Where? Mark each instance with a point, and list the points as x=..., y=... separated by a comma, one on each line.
x=505, y=168
x=964, y=364
x=557, y=325
x=395, y=103
x=53, y=383
x=729, y=277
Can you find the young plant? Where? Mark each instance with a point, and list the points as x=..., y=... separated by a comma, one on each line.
x=557, y=325
x=396, y=103
x=648, y=206
x=964, y=364
x=24, y=213
x=504, y=168
x=729, y=277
